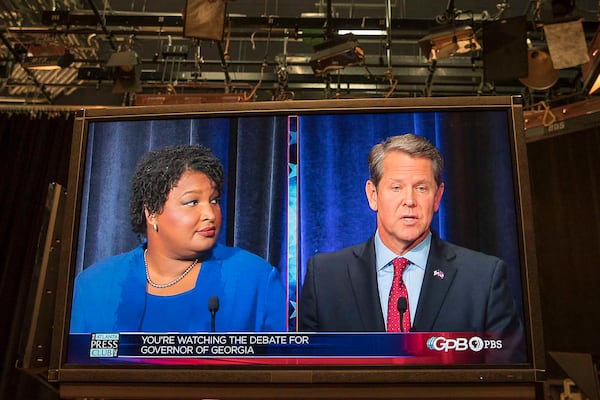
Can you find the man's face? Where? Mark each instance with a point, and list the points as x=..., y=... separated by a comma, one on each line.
x=405, y=201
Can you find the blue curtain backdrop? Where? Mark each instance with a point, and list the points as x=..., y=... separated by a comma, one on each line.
x=478, y=208
x=254, y=205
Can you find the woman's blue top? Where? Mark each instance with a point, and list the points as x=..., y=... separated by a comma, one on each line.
x=110, y=296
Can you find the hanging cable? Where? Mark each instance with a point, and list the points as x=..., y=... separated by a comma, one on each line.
x=263, y=66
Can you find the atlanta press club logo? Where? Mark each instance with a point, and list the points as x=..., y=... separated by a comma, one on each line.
x=475, y=344
x=104, y=345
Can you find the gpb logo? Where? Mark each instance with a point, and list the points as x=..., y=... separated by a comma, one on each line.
x=439, y=343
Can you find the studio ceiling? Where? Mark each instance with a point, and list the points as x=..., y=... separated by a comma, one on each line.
x=266, y=51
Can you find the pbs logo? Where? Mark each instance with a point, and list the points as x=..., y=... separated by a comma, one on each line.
x=476, y=343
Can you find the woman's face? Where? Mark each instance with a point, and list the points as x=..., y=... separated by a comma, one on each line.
x=191, y=217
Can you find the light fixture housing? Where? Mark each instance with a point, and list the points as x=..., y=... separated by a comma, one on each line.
x=336, y=53
x=541, y=74
x=47, y=57
x=448, y=42
x=126, y=71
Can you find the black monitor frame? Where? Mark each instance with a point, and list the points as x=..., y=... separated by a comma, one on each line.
x=233, y=381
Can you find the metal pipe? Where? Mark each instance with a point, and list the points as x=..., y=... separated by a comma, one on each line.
x=328, y=20
x=388, y=27
x=224, y=65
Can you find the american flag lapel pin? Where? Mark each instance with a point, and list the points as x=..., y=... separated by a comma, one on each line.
x=438, y=273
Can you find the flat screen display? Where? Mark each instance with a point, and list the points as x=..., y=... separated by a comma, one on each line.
x=295, y=188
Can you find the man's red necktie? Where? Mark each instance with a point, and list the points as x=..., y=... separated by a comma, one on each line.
x=397, y=291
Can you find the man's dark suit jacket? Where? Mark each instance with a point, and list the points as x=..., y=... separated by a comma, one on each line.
x=463, y=291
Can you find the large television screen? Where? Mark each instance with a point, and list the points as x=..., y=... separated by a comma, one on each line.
x=293, y=286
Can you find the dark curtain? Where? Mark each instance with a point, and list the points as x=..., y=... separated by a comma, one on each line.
x=260, y=200
x=478, y=208
x=252, y=150
x=34, y=152
x=565, y=181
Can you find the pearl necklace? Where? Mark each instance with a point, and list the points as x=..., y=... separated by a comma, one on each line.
x=168, y=284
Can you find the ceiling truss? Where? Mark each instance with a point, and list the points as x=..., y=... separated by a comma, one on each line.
x=264, y=58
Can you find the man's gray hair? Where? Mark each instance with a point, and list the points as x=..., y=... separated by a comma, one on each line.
x=411, y=144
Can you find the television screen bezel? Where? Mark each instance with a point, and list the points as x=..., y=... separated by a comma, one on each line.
x=61, y=372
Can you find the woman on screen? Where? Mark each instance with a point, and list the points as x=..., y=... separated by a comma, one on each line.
x=180, y=279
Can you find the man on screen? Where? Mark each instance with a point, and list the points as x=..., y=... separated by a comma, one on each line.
x=405, y=278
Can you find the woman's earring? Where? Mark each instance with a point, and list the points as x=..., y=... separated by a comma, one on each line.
x=155, y=227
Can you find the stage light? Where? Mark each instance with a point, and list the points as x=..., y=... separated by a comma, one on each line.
x=541, y=74
x=65, y=60
x=448, y=42
x=47, y=57
x=92, y=73
x=126, y=71
x=336, y=54
x=591, y=70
